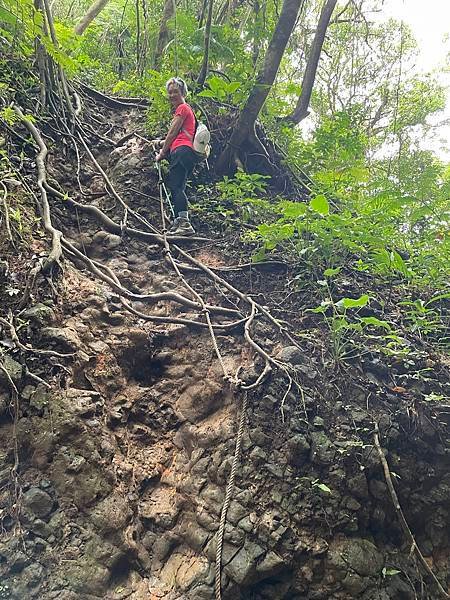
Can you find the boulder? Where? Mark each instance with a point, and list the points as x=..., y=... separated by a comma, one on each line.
x=62, y=336
x=111, y=514
x=242, y=567
x=107, y=240
x=14, y=370
x=199, y=400
x=184, y=569
x=39, y=314
x=291, y=355
x=322, y=449
x=38, y=502
x=271, y=564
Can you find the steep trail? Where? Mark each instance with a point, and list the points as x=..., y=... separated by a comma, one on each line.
x=125, y=460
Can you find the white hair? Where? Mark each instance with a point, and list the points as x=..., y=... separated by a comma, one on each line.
x=180, y=83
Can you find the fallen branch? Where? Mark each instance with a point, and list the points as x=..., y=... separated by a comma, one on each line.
x=401, y=516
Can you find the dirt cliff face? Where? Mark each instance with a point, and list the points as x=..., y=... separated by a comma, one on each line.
x=115, y=461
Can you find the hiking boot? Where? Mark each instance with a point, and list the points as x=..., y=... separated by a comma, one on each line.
x=174, y=225
x=183, y=227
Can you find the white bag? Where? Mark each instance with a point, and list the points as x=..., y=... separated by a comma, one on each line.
x=201, y=140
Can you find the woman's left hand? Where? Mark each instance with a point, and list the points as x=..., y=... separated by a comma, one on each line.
x=160, y=156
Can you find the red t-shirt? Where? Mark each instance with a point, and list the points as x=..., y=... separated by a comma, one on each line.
x=187, y=114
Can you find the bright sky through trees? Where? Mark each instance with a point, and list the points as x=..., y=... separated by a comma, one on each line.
x=430, y=23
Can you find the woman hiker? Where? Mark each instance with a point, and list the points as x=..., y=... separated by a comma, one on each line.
x=178, y=149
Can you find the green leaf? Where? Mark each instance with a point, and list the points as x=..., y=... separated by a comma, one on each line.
x=439, y=297
x=375, y=322
x=207, y=94
x=7, y=17
x=292, y=210
x=353, y=302
x=339, y=324
x=359, y=174
x=389, y=572
x=215, y=83
x=331, y=272
x=260, y=255
x=322, y=308
x=233, y=87
x=320, y=204
x=323, y=487
x=398, y=263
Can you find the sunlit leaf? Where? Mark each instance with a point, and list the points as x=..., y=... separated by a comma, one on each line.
x=375, y=322
x=320, y=204
x=323, y=487
x=353, y=302
x=330, y=272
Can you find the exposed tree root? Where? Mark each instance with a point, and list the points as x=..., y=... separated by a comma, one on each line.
x=59, y=241
x=113, y=227
x=234, y=325
x=161, y=239
x=113, y=102
x=16, y=491
x=29, y=286
x=204, y=307
x=150, y=298
x=15, y=338
x=6, y=213
x=158, y=319
x=196, y=302
x=56, y=251
x=245, y=297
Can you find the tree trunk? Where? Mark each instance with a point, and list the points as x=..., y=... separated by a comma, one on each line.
x=301, y=110
x=202, y=13
x=204, y=70
x=138, y=37
x=163, y=37
x=42, y=60
x=245, y=127
x=61, y=74
x=256, y=41
x=92, y=12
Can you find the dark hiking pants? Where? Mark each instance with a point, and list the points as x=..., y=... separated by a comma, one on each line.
x=182, y=162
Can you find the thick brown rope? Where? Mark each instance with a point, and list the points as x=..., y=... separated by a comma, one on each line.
x=226, y=502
